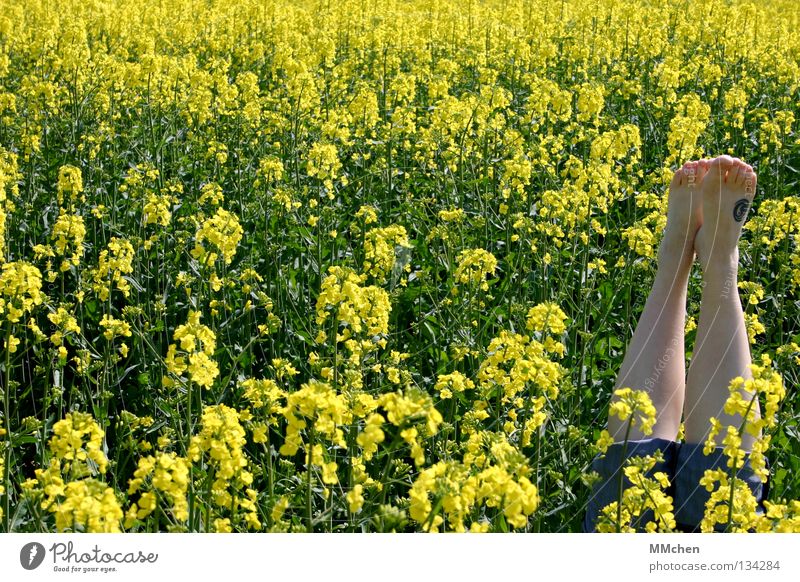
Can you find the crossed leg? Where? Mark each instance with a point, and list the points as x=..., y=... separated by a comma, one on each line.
x=708, y=202
x=655, y=358
x=722, y=350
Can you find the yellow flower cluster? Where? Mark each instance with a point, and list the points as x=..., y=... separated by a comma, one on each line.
x=447, y=384
x=686, y=127
x=753, y=326
x=371, y=436
x=157, y=209
x=379, y=250
x=408, y=410
x=775, y=221
x=789, y=350
x=78, y=439
x=70, y=184
x=520, y=371
x=732, y=503
x=114, y=263
x=614, y=145
x=168, y=476
x=456, y=215
x=474, y=265
x=493, y=474
x=86, y=505
x=355, y=498
x=546, y=318
x=628, y=403
x=65, y=323
x=20, y=290
x=68, y=488
x=114, y=327
x=68, y=234
x=590, y=102
x=264, y=394
x=271, y=170
x=224, y=232
x=765, y=383
x=644, y=494
x=315, y=406
x=8, y=185
x=323, y=163
x=2, y=464
x=357, y=308
x=369, y=214
x=197, y=345
x=220, y=445
x=781, y=517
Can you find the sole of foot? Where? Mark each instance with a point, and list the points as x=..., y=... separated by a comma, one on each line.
x=684, y=212
x=728, y=189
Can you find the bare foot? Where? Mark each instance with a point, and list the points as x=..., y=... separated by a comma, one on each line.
x=684, y=214
x=728, y=190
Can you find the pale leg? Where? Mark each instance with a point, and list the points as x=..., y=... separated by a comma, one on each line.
x=654, y=360
x=722, y=351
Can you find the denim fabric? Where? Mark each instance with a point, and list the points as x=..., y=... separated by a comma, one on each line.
x=684, y=463
x=606, y=490
x=691, y=497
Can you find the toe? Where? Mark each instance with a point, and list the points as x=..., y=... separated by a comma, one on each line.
x=734, y=172
x=744, y=171
x=690, y=171
x=718, y=167
x=702, y=168
x=725, y=161
x=749, y=178
x=726, y=164
x=677, y=179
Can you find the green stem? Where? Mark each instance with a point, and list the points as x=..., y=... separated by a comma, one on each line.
x=309, y=453
x=732, y=477
x=621, y=472
x=7, y=419
x=188, y=443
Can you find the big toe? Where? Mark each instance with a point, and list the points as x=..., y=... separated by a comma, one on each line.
x=717, y=171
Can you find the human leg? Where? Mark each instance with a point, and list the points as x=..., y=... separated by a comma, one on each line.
x=722, y=350
x=655, y=360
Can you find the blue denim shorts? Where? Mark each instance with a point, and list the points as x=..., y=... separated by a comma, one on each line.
x=685, y=465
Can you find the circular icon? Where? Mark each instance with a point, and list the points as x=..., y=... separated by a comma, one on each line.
x=31, y=555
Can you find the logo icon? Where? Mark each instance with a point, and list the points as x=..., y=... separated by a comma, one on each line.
x=31, y=555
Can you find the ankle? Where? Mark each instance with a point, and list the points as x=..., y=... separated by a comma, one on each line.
x=721, y=283
x=721, y=268
x=674, y=263
x=675, y=248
